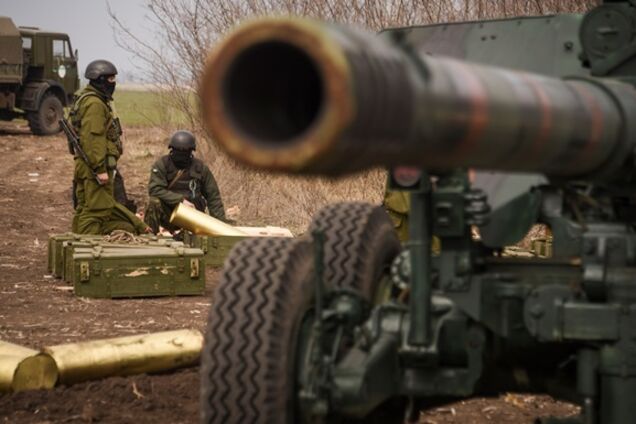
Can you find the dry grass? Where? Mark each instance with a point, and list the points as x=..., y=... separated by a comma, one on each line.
x=186, y=30
x=267, y=199
x=537, y=232
x=287, y=201
x=264, y=199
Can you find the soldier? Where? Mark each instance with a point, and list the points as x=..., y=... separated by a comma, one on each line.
x=397, y=205
x=180, y=178
x=97, y=211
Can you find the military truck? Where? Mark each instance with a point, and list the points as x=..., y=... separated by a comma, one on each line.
x=38, y=75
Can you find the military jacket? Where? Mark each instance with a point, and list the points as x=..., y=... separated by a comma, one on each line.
x=195, y=181
x=94, y=121
x=397, y=201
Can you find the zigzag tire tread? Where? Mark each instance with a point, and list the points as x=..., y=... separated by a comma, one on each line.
x=356, y=236
x=264, y=287
x=256, y=302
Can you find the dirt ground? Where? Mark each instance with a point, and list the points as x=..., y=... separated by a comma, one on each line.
x=37, y=310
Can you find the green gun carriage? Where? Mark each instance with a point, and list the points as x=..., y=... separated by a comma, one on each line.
x=498, y=125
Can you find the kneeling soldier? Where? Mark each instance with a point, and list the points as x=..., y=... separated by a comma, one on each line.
x=180, y=178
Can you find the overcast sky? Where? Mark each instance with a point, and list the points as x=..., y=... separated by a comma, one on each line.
x=86, y=21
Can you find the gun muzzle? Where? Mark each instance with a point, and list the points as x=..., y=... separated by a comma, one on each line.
x=301, y=96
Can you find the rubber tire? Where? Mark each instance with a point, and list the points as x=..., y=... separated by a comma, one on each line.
x=248, y=360
x=360, y=244
x=45, y=121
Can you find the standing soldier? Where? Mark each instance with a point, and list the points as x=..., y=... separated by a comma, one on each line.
x=93, y=119
x=180, y=178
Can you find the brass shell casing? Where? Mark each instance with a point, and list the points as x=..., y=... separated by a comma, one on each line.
x=126, y=355
x=22, y=368
x=202, y=224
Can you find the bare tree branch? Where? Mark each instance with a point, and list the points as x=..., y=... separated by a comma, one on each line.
x=184, y=30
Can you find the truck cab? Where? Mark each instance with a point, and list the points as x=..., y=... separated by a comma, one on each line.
x=38, y=75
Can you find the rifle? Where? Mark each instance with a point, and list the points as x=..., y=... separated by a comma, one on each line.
x=74, y=146
x=115, y=130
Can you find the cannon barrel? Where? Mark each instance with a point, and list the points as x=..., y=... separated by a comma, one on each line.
x=302, y=96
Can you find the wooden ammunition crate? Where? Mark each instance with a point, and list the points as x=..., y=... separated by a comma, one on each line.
x=51, y=249
x=215, y=248
x=56, y=246
x=55, y=263
x=106, y=272
x=69, y=246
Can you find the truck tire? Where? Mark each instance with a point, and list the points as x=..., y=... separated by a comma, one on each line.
x=45, y=121
x=249, y=360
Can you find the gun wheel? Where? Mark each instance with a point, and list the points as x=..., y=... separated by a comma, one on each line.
x=264, y=291
x=360, y=244
x=250, y=361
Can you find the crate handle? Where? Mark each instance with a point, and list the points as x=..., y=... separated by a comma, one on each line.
x=85, y=273
x=194, y=268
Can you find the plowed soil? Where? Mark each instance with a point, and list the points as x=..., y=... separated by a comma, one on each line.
x=37, y=310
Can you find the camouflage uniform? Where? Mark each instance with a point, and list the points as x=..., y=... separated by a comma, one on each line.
x=97, y=212
x=195, y=184
x=397, y=205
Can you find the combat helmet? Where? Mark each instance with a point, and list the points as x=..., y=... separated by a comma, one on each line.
x=183, y=140
x=99, y=68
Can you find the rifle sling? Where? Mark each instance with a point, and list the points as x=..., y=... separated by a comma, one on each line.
x=176, y=178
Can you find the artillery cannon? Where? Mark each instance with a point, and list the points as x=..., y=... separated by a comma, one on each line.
x=346, y=325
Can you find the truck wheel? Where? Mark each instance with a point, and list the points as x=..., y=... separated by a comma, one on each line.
x=250, y=362
x=45, y=121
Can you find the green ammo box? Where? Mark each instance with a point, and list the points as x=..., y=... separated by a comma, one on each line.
x=69, y=246
x=51, y=248
x=215, y=248
x=55, y=264
x=106, y=272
